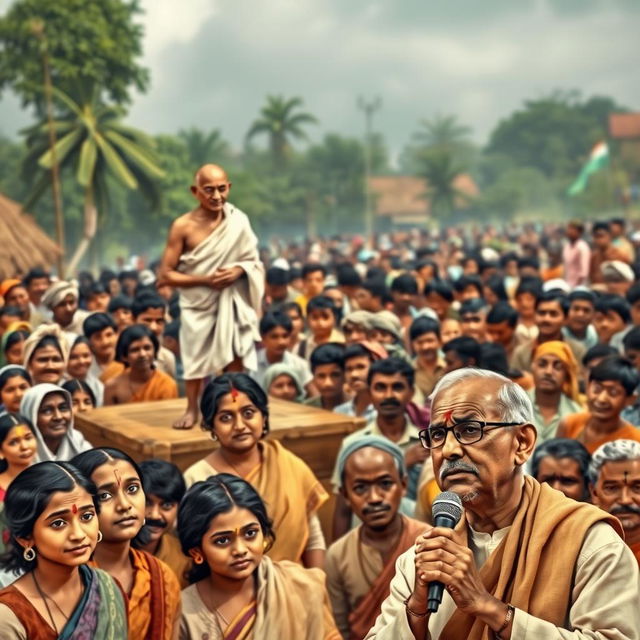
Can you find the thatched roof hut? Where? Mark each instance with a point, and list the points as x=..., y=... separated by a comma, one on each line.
x=23, y=244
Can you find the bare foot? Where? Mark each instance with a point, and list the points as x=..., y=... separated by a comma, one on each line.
x=187, y=421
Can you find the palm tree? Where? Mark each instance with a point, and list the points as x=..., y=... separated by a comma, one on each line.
x=280, y=121
x=92, y=138
x=442, y=132
x=204, y=148
x=440, y=171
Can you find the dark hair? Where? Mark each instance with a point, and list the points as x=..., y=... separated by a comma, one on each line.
x=79, y=340
x=555, y=295
x=421, y=264
x=529, y=285
x=47, y=341
x=583, y=294
x=600, y=226
x=632, y=339
x=376, y=288
x=496, y=284
x=422, y=325
x=74, y=385
x=440, y=288
x=130, y=335
x=576, y=224
x=35, y=274
x=357, y=351
x=328, y=353
x=502, y=312
x=469, y=281
x=473, y=305
x=312, y=267
x=128, y=273
x=106, y=276
x=172, y=330
x=563, y=448
x=277, y=276
x=466, y=347
x=13, y=372
x=405, y=283
x=120, y=302
x=347, y=276
x=14, y=337
x=391, y=366
x=273, y=320
x=7, y=422
x=97, y=288
x=98, y=322
x=617, y=369
x=633, y=293
x=163, y=479
x=598, y=351
x=291, y=306
x=221, y=386
x=493, y=356
x=529, y=261
x=28, y=496
x=616, y=304
x=321, y=302
x=147, y=300
x=10, y=311
x=619, y=221
x=206, y=500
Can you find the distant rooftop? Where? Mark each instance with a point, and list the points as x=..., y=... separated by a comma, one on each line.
x=624, y=126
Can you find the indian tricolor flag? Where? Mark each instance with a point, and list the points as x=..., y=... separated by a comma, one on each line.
x=598, y=159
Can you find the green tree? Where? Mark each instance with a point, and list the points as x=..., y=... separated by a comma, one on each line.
x=204, y=148
x=281, y=121
x=93, y=140
x=86, y=41
x=443, y=132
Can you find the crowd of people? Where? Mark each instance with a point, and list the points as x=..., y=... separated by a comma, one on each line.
x=500, y=364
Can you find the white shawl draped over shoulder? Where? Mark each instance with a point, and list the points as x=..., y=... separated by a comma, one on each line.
x=216, y=326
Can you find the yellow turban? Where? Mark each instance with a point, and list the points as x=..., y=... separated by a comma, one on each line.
x=562, y=351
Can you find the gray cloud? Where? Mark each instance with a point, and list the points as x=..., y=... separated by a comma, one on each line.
x=214, y=62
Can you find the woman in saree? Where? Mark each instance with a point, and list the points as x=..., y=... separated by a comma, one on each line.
x=237, y=592
x=52, y=514
x=235, y=410
x=151, y=588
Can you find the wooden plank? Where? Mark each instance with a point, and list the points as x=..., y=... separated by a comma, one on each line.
x=143, y=430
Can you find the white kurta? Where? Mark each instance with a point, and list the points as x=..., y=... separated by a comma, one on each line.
x=218, y=326
x=604, y=596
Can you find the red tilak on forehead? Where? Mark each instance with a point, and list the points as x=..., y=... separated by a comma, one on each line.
x=447, y=415
x=234, y=393
x=74, y=508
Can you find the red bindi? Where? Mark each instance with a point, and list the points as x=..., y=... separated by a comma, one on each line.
x=74, y=508
x=234, y=393
x=447, y=415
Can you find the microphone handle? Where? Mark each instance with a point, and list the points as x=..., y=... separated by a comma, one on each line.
x=436, y=589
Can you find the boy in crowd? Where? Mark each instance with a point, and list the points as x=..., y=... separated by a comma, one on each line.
x=404, y=290
x=164, y=487
x=321, y=320
x=357, y=361
x=102, y=333
x=275, y=332
x=439, y=296
x=612, y=385
x=313, y=280
x=293, y=311
x=424, y=335
x=473, y=318
x=612, y=319
x=502, y=321
x=579, y=327
x=150, y=309
x=120, y=310
x=327, y=366
x=373, y=295
x=141, y=381
x=461, y=352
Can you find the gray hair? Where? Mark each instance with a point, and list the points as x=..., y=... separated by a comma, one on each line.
x=512, y=400
x=614, y=451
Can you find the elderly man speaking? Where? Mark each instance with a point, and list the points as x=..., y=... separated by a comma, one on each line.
x=524, y=562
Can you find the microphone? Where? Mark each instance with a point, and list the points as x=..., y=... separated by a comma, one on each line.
x=446, y=512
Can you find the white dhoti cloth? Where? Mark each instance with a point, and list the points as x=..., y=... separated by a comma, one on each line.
x=216, y=326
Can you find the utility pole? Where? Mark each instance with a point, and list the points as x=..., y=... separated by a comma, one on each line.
x=369, y=108
x=37, y=28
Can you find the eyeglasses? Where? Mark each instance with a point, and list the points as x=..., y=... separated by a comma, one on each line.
x=468, y=432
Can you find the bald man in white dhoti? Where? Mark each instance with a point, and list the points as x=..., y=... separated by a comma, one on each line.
x=212, y=258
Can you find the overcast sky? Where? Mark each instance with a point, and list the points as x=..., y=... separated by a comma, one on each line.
x=213, y=61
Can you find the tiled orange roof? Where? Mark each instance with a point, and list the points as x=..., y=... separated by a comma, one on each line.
x=624, y=125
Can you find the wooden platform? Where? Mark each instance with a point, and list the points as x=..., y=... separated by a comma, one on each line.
x=143, y=430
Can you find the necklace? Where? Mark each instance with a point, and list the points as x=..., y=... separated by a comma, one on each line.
x=45, y=597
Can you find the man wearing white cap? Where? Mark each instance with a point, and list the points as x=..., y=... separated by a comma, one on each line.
x=62, y=298
x=618, y=276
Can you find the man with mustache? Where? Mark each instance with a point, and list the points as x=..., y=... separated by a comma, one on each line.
x=137, y=349
x=391, y=387
x=524, y=562
x=360, y=565
x=551, y=312
x=164, y=487
x=614, y=474
x=555, y=392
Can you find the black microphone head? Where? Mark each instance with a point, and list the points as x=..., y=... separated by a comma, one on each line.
x=449, y=504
